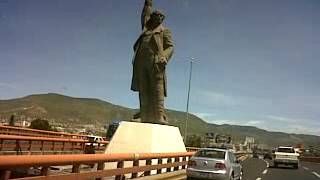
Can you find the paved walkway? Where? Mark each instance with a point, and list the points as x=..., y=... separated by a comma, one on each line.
x=176, y=175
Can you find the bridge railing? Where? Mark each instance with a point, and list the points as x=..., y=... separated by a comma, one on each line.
x=311, y=159
x=143, y=164
x=44, y=145
x=11, y=130
x=192, y=149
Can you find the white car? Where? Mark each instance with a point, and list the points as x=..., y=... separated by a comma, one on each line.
x=213, y=163
x=285, y=155
x=94, y=140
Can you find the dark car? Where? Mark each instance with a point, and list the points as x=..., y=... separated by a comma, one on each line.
x=112, y=129
x=267, y=155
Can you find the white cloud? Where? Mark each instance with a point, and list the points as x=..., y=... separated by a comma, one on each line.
x=304, y=121
x=279, y=118
x=216, y=98
x=204, y=115
x=223, y=121
x=300, y=129
x=254, y=123
x=278, y=123
x=293, y=125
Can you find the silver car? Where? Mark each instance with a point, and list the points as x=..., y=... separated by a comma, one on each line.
x=212, y=163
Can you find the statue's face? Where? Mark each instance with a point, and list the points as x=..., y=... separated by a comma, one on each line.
x=156, y=18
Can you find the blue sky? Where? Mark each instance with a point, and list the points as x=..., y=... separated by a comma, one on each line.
x=257, y=61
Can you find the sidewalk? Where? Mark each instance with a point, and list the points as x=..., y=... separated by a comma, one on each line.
x=176, y=175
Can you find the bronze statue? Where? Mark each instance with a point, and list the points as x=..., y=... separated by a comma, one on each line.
x=152, y=51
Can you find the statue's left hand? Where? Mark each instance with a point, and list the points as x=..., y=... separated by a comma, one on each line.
x=162, y=61
x=161, y=64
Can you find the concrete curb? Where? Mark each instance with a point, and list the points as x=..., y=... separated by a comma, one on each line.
x=176, y=175
x=242, y=158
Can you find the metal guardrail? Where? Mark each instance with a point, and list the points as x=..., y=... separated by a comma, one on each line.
x=11, y=130
x=159, y=162
x=192, y=149
x=310, y=159
x=30, y=144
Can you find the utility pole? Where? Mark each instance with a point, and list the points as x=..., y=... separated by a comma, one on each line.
x=187, y=110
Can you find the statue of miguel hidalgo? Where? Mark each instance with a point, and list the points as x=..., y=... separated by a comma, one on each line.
x=152, y=51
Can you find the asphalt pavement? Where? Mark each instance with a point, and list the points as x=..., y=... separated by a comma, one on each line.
x=260, y=169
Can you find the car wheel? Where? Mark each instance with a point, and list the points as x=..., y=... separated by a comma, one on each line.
x=275, y=165
x=295, y=166
x=190, y=178
x=232, y=177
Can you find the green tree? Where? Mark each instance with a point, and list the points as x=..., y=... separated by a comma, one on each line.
x=194, y=141
x=12, y=120
x=40, y=124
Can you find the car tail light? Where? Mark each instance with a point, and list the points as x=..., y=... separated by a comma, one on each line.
x=220, y=166
x=191, y=163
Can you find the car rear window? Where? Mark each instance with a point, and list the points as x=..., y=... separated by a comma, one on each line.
x=286, y=150
x=210, y=154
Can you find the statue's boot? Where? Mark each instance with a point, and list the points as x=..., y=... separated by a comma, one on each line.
x=160, y=116
x=163, y=120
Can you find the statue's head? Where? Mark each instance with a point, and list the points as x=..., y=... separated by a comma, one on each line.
x=157, y=17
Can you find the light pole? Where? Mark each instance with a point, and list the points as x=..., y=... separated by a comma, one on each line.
x=187, y=110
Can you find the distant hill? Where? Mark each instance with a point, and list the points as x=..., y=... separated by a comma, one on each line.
x=63, y=109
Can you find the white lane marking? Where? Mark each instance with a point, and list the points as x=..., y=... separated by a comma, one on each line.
x=316, y=174
x=305, y=168
x=266, y=163
x=265, y=171
x=259, y=178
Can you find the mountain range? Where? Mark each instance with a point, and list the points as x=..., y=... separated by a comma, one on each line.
x=69, y=110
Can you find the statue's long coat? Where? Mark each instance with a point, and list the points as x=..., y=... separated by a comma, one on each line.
x=161, y=36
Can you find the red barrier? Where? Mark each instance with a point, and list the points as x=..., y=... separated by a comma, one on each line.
x=11, y=130
x=174, y=161
x=310, y=159
x=30, y=144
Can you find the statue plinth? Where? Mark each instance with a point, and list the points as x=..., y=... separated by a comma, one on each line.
x=133, y=137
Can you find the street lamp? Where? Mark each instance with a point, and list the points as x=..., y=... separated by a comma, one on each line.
x=187, y=110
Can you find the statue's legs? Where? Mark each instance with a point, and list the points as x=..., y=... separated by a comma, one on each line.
x=145, y=109
x=151, y=94
x=158, y=100
x=145, y=96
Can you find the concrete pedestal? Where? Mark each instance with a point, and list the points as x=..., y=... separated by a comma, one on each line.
x=133, y=137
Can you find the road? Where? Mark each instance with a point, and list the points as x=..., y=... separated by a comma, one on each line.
x=258, y=169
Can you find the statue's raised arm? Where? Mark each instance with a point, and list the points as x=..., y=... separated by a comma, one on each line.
x=146, y=12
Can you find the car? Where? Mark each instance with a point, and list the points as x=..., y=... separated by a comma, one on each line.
x=255, y=155
x=286, y=155
x=112, y=129
x=214, y=163
x=267, y=155
x=94, y=140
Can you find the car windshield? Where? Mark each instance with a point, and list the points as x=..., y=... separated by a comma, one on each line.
x=285, y=150
x=210, y=154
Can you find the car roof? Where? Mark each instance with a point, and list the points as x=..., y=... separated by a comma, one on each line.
x=94, y=136
x=215, y=149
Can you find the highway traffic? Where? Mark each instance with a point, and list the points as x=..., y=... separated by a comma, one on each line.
x=260, y=169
